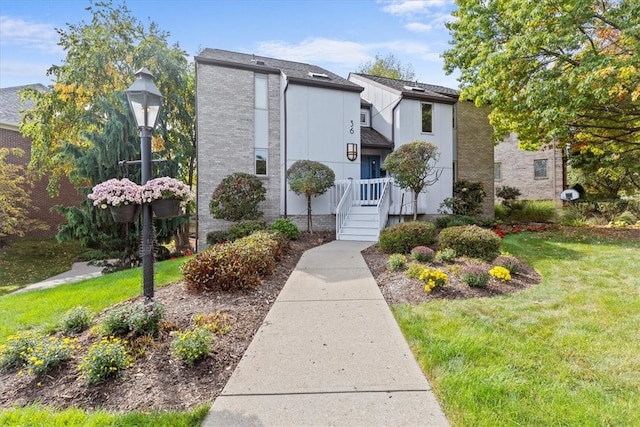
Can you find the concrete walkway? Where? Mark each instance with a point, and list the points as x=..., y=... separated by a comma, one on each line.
x=329, y=353
x=79, y=271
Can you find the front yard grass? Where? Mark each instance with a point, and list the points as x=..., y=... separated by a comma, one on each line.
x=562, y=353
x=26, y=261
x=43, y=308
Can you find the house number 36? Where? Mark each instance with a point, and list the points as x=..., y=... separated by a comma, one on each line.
x=351, y=129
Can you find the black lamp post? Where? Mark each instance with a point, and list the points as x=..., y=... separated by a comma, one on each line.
x=145, y=102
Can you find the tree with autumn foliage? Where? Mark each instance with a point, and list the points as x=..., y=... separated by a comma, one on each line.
x=563, y=70
x=15, y=202
x=83, y=127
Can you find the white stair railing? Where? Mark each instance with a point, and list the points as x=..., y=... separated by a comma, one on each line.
x=383, y=205
x=345, y=203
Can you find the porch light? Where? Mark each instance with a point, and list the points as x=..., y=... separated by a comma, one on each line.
x=352, y=151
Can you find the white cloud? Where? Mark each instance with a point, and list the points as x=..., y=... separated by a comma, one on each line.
x=30, y=35
x=418, y=27
x=412, y=7
x=317, y=50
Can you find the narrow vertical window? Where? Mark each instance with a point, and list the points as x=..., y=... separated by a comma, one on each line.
x=427, y=118
x=497, y=171
x=540, y=168
x=261, y=161
x=262, y=92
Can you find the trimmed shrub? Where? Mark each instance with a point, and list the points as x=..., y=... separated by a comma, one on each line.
x=471, y=241
x=286, y=227
x=467, y=199
x=447, y=221
x=245, y=228
x=403, y=237
x=396, y=262
x=475, y=275
x=236, y=198
x=76, y=320
x=422, y=254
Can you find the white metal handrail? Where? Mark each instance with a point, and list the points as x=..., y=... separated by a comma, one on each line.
x=342, y=210
x=383, y=205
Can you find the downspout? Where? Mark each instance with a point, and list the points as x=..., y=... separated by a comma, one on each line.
x=286, y=87
x=393, y=124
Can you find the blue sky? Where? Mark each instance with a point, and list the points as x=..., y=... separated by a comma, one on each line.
x=338, y=35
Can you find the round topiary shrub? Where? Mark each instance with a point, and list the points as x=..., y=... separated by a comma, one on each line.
x=403, y=237
x=475, y=275
x=237, y=197
x=471, y=241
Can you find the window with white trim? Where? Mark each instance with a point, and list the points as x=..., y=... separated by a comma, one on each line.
x=364, y=117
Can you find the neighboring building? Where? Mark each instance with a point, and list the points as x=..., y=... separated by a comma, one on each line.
x=260, y=115
x=539, y=175
x=10, y=137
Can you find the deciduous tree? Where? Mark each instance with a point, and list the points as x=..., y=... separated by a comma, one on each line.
x=413, y=167
x=310, y=178
x=387, y=66
x=567, y=70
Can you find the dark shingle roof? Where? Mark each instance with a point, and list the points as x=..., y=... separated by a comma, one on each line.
x=11, y=105
x=431, y=92
x=370, y=138
x=296, y=72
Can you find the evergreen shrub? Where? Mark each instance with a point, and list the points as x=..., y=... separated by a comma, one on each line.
x=471, y=241
x=286, y=227
x=403, y=237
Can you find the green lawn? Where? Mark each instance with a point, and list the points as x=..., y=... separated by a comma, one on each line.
x=43, y=308
x=565, y=352
x=27, y=261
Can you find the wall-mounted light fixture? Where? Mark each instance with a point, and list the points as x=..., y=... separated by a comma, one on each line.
x=352, y=151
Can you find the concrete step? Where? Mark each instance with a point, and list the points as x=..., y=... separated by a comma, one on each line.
x=357, y=237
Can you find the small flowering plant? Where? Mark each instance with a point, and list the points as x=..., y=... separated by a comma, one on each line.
x=166, y=188
x=116, y=192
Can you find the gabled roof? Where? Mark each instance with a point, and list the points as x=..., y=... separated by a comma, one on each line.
x=415, y=89
x=11, y=105
x=295, y=72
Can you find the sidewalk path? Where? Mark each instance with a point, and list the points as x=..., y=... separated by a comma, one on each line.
x=79, y=271
x=329, y=353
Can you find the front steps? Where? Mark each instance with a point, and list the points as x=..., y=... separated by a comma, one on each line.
x=362, y=224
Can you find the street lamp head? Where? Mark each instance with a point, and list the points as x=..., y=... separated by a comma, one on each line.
x=144, y=99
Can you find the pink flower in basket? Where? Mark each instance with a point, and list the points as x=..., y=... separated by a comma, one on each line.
x=116, y=192
x=166, y=188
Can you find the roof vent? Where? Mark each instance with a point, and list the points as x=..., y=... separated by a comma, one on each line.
x=259, y=62
x=414, y=89
x=318, y=75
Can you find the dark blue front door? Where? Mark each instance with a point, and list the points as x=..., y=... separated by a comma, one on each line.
x=369, y=169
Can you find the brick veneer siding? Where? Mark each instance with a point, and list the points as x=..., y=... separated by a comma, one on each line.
x=40, y=199
x=517, y=170
x=225, y=138
x=474, y=149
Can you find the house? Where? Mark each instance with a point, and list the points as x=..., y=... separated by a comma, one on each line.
x=539, y=175
x=260, y=115
x=10, y=137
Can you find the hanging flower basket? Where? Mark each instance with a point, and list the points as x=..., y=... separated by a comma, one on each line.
x=166, y=208
x=125, y=213
x=167, y=196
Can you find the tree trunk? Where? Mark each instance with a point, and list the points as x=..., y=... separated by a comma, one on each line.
x=415, y=206
x=309, y=221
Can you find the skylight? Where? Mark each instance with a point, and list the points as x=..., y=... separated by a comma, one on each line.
x=318, y=75
x=414, y=88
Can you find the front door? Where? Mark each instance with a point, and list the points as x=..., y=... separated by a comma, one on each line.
x=369, y=169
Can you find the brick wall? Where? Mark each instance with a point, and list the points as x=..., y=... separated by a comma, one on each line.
x=40, y=199
x=517, y=170
x=225, y=132
x=474, y=149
